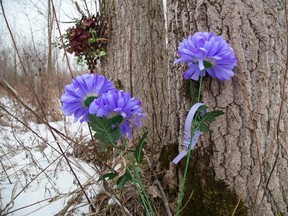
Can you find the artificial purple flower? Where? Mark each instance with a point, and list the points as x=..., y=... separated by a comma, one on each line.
x=207, y=52
x=115, y=103
x=80, y=94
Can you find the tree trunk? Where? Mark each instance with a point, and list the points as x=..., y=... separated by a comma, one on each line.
x=50, y=20
x=136, y=57
x=246, y=147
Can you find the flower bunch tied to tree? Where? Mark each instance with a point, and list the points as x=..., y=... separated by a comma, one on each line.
x=205, y=53
x=87, y=39
x=112, y=114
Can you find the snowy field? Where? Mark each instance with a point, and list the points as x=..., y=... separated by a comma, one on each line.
x=35, y=177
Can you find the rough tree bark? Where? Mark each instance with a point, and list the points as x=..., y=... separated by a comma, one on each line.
x=136, y=56
x=246, y=147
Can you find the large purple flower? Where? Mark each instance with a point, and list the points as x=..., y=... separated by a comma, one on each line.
x=81, y=92
x=207, y=52
x=115, y=103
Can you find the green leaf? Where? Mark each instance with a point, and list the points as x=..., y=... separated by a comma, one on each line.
x=206, y=119
x=93, y=33
x=108, y=175
x=201, y=108
x=92, y=40
x=80, y=61
x=117, y=119
x=99, y=53
x=138, y=150
x=105, y=131
x=123, y=179
x=204, y=128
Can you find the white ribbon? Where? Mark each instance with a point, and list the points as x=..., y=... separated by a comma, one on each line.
x=187, y=132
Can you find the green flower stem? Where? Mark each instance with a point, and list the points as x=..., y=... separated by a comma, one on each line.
x=139, y=181
x=200, y=87
x=146, y=200
x=136, y=184
x=179, y=202
x=184, y=176
x=192, y=91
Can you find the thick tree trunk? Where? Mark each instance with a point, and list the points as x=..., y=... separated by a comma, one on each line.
x=136, y=57
x=248, y=145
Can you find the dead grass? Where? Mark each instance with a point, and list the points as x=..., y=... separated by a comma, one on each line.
x=17, y=118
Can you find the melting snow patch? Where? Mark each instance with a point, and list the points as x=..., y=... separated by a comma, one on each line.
x=35, y=178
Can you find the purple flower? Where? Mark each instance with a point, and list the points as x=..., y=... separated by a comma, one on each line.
x=115, y=103
x=207, y=52
x=81, y=92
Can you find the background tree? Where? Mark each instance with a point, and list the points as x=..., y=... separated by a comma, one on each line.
x=246, y=147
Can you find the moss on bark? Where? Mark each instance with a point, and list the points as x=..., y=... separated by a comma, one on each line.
x=203, y=195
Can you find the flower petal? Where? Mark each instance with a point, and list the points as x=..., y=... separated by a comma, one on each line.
x=119, y=102
x=82, y=87
x=211, y=48
x=201, y=64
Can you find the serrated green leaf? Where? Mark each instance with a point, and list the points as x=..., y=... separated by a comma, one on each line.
x=207, y=118
x=138, y=150
x=201, y=108
x=92, y=118
x=108, y=175
x=203, y=127
x=123, y=180
x=107, y=139
x=105, y=131
x=199, y=113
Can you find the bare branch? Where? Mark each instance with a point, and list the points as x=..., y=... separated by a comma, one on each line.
x=79, y=9
x=86, y=8
x=61, y=38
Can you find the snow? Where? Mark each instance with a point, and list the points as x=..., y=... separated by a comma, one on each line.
x=35, y=178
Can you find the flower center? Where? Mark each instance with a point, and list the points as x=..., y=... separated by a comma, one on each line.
x=207, y=64
x=89, y=100
x=116, y=118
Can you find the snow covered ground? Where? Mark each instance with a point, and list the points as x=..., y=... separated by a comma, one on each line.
x=35, y=178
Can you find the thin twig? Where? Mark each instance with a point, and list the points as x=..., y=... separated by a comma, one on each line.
x=164, y=198
x=5, y=171
x=158, y=183
x=34, y=93
x=10, y=90
x=35, y=177
x=11, y=164
x=61, y=39
x=86, y=8
x=186, y=202
x=32, y=204
x=79, y=9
